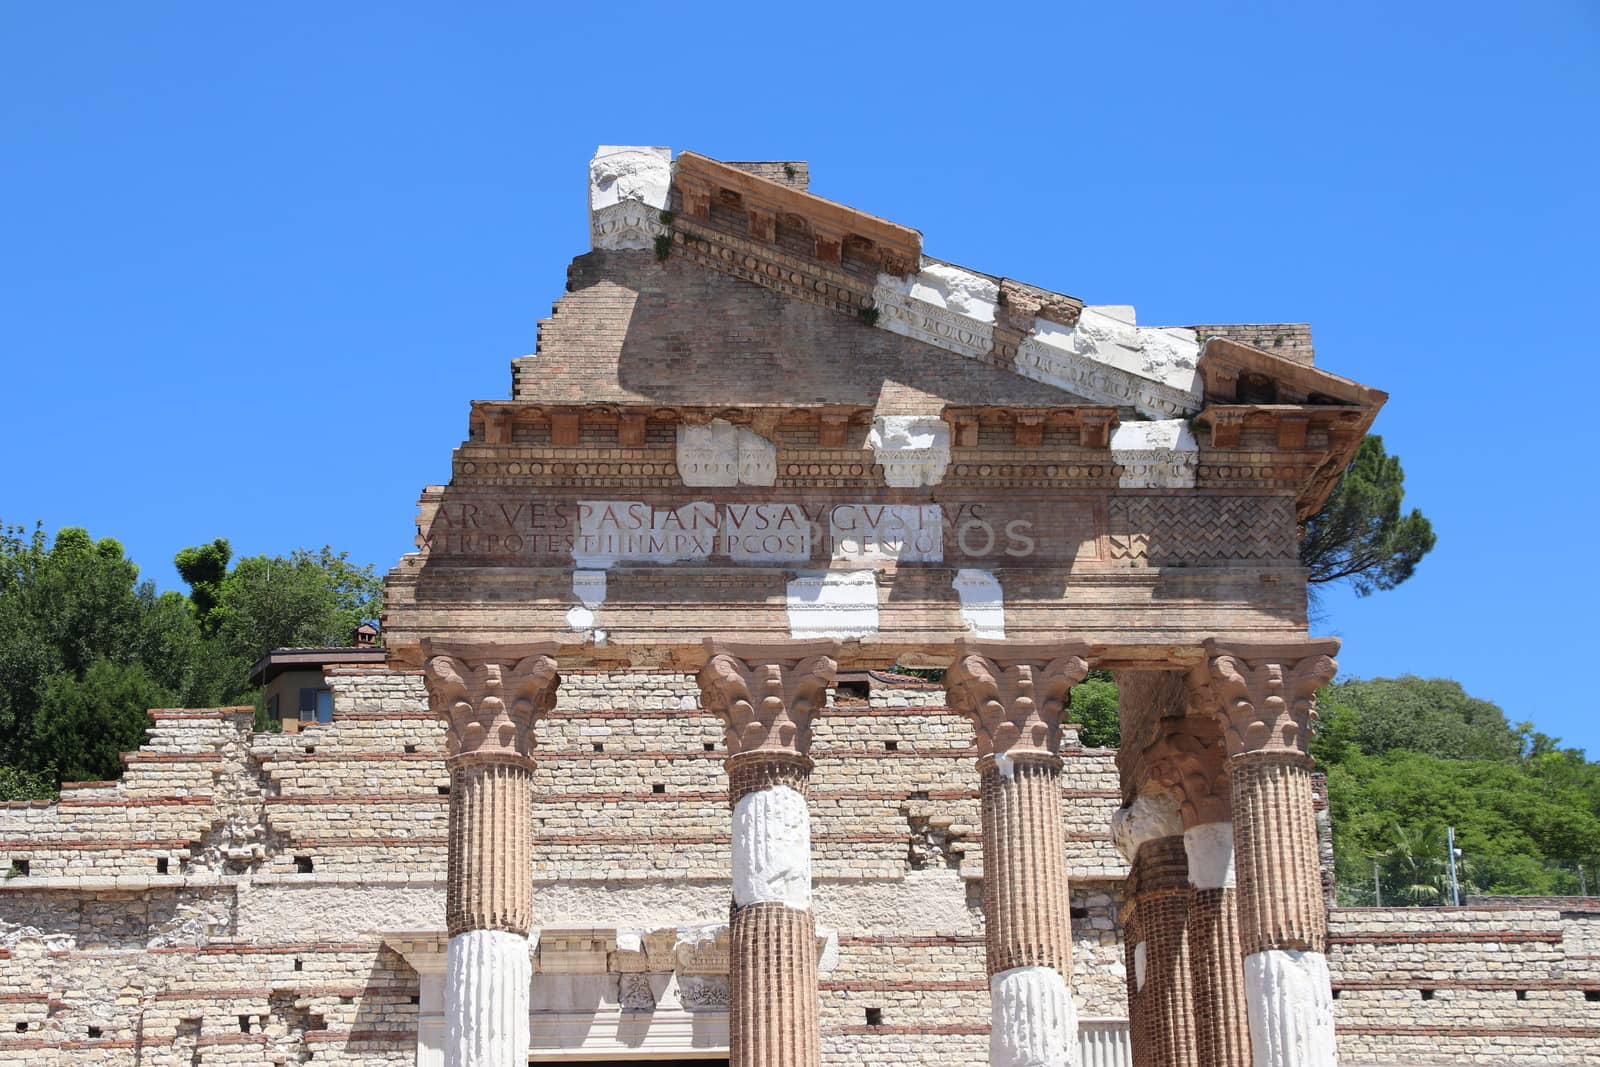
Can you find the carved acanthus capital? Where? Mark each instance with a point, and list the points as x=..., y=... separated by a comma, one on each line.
x=1189, y=760
x=1264, y=694
x=1014, y=693
x=490, y=696
x=766, y=694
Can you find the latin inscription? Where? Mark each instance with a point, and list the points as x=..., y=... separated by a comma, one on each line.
x=595, y=533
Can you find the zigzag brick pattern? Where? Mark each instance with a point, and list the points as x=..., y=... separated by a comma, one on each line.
x=1201, y=529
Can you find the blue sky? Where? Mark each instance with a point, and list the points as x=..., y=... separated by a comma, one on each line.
x=258, y=258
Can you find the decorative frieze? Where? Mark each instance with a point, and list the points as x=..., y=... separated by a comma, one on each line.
x=913, y=450
x=720, y=454
x=1105, y=357
x=941, y=305
x=628, y=189
x=1155, y=455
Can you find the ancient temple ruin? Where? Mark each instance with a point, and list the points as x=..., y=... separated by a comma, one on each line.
x=726, y=712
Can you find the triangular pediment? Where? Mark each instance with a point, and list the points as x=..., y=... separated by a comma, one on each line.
x=660, y=225
x=635, y=329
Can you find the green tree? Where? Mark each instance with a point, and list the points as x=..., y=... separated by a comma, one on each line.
x=1094, y=709
x=86, y=646
x=85, y=724
x=67, y=604
x=204, y=567
x=1361, y=535
x=1429, y=715
x=308, y=599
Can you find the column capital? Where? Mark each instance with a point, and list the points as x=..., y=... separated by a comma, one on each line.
x=1189, y=758
x=1263, y=693
x=490, y=695
x=766, y=693
x=1014, y=692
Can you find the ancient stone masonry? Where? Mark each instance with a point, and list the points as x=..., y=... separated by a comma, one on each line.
x=767, y=419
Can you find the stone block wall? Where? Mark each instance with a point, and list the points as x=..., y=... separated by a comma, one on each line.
x=289, y=857
x=1500, y=984
x=292, y=861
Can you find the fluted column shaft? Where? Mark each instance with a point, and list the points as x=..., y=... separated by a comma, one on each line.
x=1160, y=1009
x=1263, y=696
x=1014, y=694
x=766, y=696
x=1216, y=959
x=488, y=885
x=489, y=697
x=1026, y=906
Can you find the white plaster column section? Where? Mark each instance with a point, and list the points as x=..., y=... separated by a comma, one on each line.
x=983, y=609
x=1153, y=814
x=488, y=975
x=772, y=849
x=719, y=453
x=1293, y=1026
x=1107, y=357
x=842, y=604
x=628, y=190
x=913, y=450
x=1209, y=847
x=1033, y=1020
x=941, y=305
x=1155, y=455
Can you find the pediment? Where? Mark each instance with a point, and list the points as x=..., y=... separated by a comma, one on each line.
x=668, y=301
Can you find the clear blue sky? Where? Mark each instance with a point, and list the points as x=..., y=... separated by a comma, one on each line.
x=258, y=258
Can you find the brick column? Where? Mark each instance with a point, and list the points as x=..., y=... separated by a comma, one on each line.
x=1149, y=832
x=1014, y=694
x=765, y=694
x=1196, y=765
x=489, y=696
x=1262, y=695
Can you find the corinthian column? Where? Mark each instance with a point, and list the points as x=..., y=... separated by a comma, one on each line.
x=1194, y=764
x=1149, y=833
x=1014, y=694
x=765, y=694
x=489, y=696
x=1262, y=695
